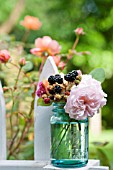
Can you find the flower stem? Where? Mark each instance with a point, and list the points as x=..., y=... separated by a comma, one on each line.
x=22, y=72
x=73, y=47
x=41, y=66
x=62, y=137
x=25, y=36
x=15, y=86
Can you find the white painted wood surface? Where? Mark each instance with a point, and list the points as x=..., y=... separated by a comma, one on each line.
x=2, y=126
x=41, y=165
x=42, y=118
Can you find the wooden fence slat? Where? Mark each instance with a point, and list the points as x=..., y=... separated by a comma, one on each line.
x=41, y=165
x=22, y=165
x=2, y=126
x=42, y=118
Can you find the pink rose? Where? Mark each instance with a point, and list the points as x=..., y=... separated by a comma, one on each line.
x=85, y=99
x=46, y=45
x=31, y=23
x=4, y=56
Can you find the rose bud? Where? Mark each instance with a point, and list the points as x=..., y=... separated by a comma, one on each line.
x=79, y=31
x=22, y=62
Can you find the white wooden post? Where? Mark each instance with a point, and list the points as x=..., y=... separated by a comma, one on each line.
x=2, y=126
x=96, y=124
x=42, y=118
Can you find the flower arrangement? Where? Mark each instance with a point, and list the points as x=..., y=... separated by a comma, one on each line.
x=82, y=93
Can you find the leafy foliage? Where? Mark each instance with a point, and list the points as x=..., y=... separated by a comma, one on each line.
x=98, y=74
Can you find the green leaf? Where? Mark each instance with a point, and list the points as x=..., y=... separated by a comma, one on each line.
x=28, y=66
x=103, y=157
x=40, y=102
x=98, y=74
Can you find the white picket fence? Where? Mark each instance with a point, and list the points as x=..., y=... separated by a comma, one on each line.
x=41, y=135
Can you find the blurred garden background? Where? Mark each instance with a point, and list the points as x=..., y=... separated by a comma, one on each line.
x=59, y=19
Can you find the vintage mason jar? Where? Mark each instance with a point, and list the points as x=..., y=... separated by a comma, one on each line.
x=69, y=139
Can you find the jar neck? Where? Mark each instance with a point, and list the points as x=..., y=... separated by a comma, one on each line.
x=58, y=110
x=59, y=105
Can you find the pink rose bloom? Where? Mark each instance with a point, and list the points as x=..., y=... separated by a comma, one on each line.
x=85, y=99
x=46, y=45
x=31, y=23
x=4, y=56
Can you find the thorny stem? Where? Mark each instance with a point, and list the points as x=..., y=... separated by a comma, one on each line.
x=75, y=43
x=22, y=71
x=25, y=129
x=41, y=66
x=15, y=86
x=11, y=115
x=24, y=132
x=73, y=47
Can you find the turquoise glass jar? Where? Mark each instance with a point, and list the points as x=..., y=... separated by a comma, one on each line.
x=69, y=139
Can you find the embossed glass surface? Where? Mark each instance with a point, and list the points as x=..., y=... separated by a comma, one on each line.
x=69, y=139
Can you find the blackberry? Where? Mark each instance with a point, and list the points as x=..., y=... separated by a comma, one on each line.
x=59, y=80
x=51, y=97
x=57, y=75
x=57, y=89
x=75, y=73
x=67, y=77
x=51, y=80
x=51, y=91
x=71, y=76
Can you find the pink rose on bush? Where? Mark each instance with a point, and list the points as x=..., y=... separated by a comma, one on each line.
x=46, y=44
x=4, y=56
x=85, y=99
x=31, y=23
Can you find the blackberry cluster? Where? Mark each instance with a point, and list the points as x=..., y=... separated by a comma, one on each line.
x=55, y=79
x=71, y=76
